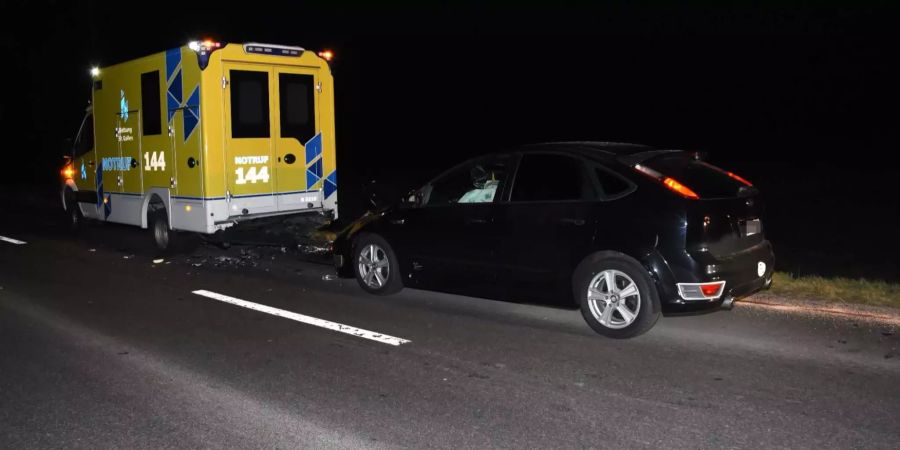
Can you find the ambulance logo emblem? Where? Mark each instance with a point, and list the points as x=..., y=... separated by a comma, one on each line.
x=123, y=107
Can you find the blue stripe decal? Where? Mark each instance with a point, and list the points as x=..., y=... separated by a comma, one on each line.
x=191, y=113
x=173, y=59
x=314, y=174
x=175, y=89
x=242, y=196
x=313, y=149
x=331, y=184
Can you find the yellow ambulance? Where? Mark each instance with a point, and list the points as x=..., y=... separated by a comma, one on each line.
x=202, y=137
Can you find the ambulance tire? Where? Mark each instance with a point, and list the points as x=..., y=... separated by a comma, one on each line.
x=372, y=254
x=74, y=218
x=165, y=240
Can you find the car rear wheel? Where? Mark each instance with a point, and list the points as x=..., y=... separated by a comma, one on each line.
x=617, y=297
x=376, y=266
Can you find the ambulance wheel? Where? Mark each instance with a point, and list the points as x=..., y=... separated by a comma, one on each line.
x=74, y=219
x=375, y=265
x=164, y=238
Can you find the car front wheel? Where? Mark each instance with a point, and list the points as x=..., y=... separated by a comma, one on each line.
x=617, y=297
x=376, y=266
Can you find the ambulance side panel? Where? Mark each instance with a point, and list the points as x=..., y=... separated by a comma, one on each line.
x=129, y=159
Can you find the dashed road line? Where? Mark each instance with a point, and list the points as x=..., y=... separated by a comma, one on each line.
x=12, y=241
x=327, y=324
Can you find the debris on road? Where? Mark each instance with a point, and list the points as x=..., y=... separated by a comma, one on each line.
x=329, y=277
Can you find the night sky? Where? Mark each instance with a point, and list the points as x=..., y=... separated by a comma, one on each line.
x=801, y=100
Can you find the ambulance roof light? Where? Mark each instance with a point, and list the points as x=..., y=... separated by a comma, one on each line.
x=272, y=49
x=327, y=55
x=207, y=44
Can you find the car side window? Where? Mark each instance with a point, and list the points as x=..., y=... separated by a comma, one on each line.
x=612, y=185
x=477, y=182
x=549, y=177
x=85, y=139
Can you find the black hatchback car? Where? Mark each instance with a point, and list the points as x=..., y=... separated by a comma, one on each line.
x=620, y=230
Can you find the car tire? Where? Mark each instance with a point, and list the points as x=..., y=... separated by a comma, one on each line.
x=630, y=309
x=164, y=238
x=375, y=265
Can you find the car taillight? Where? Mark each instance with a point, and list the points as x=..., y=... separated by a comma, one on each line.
x=669, y=182
x=674, y=185
x=711, y=290
x=739, y=178
x=732, y=175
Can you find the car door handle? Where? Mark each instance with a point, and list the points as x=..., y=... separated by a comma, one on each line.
x=476, y=221
x=398, y=221
x=570, y=221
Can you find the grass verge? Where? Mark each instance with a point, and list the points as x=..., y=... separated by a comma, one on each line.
x=837, y=290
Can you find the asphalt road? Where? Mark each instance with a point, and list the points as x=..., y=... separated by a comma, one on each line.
x=101, y=348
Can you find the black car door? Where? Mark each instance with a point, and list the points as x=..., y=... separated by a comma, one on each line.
x=551, y=217
x=452, y=238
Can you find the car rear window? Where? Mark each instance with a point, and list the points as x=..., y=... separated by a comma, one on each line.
x=706, y=180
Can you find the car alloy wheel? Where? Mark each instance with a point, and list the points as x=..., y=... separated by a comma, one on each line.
x=374, y=266
x=614, y=299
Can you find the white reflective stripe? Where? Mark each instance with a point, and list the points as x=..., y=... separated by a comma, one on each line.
x=11, y=240
x=334, y=326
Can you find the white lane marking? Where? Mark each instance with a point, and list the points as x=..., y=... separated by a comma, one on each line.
x=334, y=326
x=12, y=241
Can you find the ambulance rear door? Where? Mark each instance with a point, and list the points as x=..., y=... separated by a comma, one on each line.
x=249, y=138
x=298, y=144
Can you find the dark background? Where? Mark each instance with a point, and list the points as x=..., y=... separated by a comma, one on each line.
x=802, y=100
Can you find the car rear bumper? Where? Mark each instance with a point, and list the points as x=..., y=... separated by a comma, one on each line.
x=744, y=273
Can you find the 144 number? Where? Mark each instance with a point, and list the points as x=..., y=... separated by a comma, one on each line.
x=155, y=161
x=252, y=175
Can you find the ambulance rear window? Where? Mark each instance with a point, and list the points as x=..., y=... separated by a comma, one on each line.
x=296, y=102
x=249, y=104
